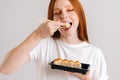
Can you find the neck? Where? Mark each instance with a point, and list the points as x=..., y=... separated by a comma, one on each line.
x=71, y=39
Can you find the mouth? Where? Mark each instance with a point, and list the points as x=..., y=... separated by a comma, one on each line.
x=67, y=25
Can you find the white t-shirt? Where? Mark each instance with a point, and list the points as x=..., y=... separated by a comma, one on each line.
x=49, y=49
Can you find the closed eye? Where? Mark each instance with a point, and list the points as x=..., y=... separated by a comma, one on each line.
x=70, y=10
x=57, y=13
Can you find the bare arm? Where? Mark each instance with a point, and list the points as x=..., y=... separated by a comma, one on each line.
x=19, y=55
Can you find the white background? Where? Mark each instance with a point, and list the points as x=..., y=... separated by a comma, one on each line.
x=18, y=18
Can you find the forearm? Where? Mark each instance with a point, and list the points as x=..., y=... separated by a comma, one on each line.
x=19, y=55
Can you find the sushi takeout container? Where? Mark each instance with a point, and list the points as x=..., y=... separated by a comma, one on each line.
x=84, y=68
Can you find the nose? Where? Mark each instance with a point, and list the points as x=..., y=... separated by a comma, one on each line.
x=64, y=15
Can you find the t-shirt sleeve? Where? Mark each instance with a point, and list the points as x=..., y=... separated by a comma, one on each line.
x=35, y=52
x=100, y=72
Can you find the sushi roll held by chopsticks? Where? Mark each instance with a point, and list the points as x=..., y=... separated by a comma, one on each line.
x=64, y=26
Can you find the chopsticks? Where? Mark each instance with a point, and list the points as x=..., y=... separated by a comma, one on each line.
x=66, y=25
x=42, y=20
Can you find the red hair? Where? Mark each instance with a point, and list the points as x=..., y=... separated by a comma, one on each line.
x=82, y=28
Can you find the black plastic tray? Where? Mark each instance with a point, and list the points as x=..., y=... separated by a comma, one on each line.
x=84, y=68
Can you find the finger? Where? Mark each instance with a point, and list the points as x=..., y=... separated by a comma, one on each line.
x=58, y=23
x=70, y=73
x=55, y=25
x=73, y=73
x=88, y=73
x=67, y=72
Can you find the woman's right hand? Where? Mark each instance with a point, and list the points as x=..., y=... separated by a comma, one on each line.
x=19, y=55
x=47, y=29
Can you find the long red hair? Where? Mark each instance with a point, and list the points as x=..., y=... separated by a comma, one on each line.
x=82, y=28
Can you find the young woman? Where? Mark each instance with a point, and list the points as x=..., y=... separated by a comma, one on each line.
x=50, y=41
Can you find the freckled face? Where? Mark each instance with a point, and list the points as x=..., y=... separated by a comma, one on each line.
x=64, y=12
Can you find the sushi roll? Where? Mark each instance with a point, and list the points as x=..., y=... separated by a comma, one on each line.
x=57, y=61
x=64, y=62
x=71, y=63
x=77, y=64
x=66, y=25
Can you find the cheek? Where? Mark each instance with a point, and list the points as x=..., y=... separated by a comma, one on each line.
x=75, y=19
x=55, y=18
x=74, y=16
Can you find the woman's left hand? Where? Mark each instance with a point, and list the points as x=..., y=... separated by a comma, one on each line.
x=79, y=75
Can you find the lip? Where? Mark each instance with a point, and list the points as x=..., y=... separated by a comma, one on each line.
x=66, y=29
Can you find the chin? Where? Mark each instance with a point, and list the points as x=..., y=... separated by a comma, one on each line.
x=68, y=34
